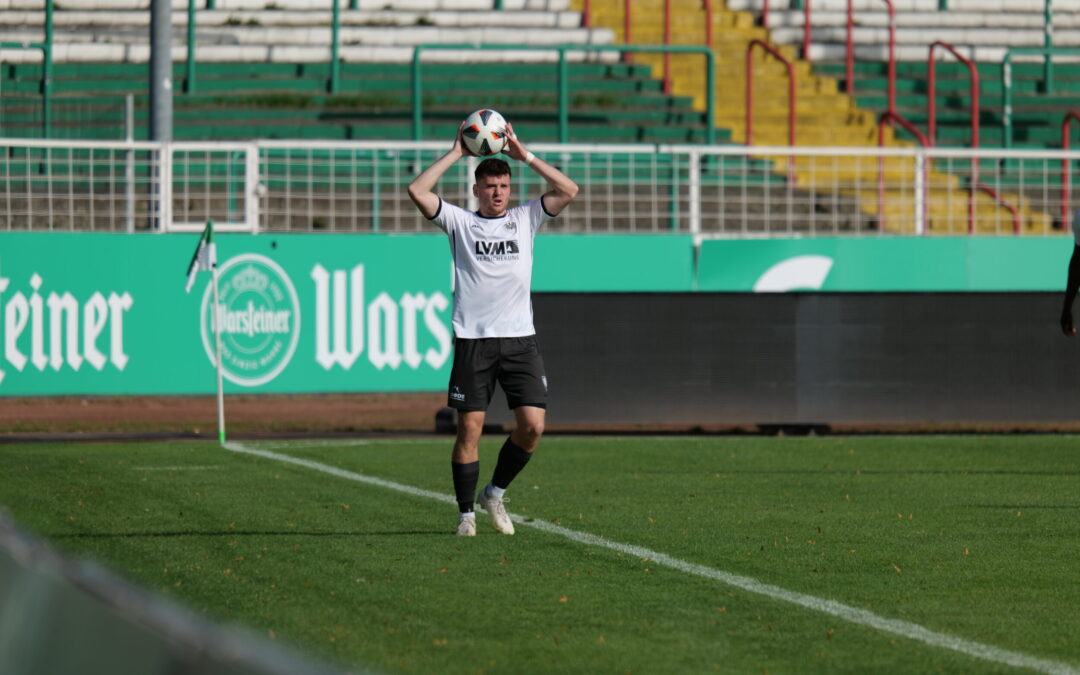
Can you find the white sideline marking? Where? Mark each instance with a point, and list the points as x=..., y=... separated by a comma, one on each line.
x=848, y=613
x=292, y=445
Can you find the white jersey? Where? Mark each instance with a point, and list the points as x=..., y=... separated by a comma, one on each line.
x=493, y=261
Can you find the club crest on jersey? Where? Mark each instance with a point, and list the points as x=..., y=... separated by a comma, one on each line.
x=512, y=227
x=497, y=251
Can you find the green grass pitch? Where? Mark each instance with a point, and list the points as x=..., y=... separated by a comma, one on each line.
x=970, y=538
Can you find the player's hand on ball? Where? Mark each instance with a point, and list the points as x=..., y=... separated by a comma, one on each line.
x=459, y=144
x=1067, y=326
x=514, y=148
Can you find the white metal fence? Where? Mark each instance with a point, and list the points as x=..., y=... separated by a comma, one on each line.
x=732, y=191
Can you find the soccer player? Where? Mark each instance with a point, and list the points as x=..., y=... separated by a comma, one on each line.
x=494, y=337
x=1073, y=282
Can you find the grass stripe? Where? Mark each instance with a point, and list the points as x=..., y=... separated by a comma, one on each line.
x=174, y=468
x=847, y=613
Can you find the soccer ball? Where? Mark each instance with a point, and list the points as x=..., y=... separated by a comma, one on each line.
x=484, y=133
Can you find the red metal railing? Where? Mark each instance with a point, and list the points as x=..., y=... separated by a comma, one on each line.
x=983, y=187
x=750, y=98
x=667, y=41
x=806, y=31
x=931, y=105
x=586, y=22
x=750, y=89
x=931, y=100
x=895, y=118
x=708, y=24
x=850, y=53
x=1066, y=170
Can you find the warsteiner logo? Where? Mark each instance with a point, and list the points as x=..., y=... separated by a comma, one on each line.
x=260, y=319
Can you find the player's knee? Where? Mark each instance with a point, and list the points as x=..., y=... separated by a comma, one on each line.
x=532, y=430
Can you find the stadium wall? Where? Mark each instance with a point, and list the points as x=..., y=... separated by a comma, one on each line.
x=910, y=360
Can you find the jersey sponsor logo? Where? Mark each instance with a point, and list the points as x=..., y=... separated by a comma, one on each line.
x=497, y=251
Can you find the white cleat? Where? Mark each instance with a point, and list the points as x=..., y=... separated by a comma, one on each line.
x=466, y=527
x=495, y=508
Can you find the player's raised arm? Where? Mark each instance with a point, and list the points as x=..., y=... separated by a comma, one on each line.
x=422, y=188
x=561, y=190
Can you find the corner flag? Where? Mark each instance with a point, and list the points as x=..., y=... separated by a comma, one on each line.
x=205, y=257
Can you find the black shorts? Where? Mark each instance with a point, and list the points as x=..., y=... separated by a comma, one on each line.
x=514, y=363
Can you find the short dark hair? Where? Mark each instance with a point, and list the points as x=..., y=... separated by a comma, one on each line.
x=492, y=166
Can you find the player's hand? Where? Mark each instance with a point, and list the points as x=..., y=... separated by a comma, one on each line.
x=514, y=148
x=1067, y=326
x=459, y=145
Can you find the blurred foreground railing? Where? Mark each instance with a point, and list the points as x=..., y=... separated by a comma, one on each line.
x=712, y=191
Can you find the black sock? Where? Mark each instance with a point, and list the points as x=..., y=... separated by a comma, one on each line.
x=465, y=479
x=512, y=460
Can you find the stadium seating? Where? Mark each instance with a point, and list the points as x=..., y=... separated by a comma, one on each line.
x=825, y=116
x=263, y=72
x=608, y=102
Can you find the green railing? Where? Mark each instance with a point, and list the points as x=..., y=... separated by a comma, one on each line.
x=189, y=75
x=563, y=83
x=46, y=48
x=1006, y=81
x=335, y=47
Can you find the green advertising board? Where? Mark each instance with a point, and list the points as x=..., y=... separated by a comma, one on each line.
x=884, y=264
x=606, y=263
x=85, y=313
x=108, y=314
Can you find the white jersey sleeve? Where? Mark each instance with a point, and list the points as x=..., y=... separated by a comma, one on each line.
x=493, y=260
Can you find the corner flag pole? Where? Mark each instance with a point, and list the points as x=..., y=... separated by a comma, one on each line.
x=217, y=339
x=205, y=258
